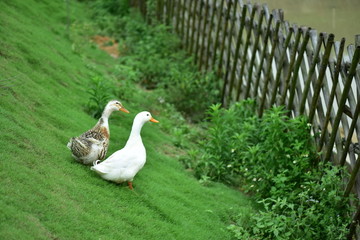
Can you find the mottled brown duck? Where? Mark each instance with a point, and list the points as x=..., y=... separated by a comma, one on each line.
x=93, y=144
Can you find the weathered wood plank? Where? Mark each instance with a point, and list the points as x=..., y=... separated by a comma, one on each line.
x=268, y=70
x=291, y=65
x=243, y=59
x=315, y=61
x=262, y=56
x=324, y=63
x=236, y=57
x=254, y=51
x=218, y=28
x=340, y=111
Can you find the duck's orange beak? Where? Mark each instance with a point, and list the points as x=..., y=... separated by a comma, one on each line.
x=153, y=120
x=123, y=110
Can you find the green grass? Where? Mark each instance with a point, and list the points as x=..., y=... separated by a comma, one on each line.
x=45, y=194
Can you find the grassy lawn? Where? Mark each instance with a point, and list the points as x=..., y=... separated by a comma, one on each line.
x=45, y=194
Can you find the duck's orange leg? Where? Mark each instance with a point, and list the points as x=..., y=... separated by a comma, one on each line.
x=130, y=185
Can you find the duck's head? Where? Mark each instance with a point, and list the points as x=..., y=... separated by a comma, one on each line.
x=145, y=117
x=115, y=105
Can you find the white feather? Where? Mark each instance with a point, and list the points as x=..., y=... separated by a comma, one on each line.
x=124, y=164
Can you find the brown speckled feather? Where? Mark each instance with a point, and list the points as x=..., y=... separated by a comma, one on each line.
x=81, y=146
x=97, y=132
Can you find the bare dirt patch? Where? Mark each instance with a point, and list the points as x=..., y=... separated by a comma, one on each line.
x=107, y=44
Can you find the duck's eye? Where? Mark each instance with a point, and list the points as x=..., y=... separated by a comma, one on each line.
x=117, y=103
x=147, y=114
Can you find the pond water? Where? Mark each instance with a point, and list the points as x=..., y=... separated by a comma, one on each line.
x=340, y=17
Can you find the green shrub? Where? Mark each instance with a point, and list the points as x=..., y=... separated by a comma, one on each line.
x=273, y=159
x=191, y=91
x=244, y=150
x=116, y=8
x=108, y=15
x=100, y=93
x=315, y=210
x=154, y=52
x=229, y=130
x=284, y=147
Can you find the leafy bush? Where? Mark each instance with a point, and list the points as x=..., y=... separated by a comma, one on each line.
x=116, y=8
x=154, y=52
x=242, y=147
x=273, y=159
x=108, y=16
x=191, y=91
x=316, y=210
x=100, y=94
x=216, y=158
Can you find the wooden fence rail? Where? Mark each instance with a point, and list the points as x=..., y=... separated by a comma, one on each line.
x=259, y=55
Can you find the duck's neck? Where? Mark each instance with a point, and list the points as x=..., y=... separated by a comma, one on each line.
x=104, y=120
x=106, y=113
x=135, y=132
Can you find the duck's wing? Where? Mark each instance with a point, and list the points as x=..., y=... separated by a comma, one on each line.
x=104, y=147
x=80, y=147
x=94, y=133
x=97, y=132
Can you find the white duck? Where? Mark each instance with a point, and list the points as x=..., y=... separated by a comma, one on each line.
x=93, y=144
x=125, y=163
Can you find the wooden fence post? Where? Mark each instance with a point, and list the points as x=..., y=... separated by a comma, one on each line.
x=193, y=28
x=351, y=131
x=332, y=93
x=291, y=65
x=280, y=66
x=316, y=60
x=183, y=17
x=197, y=46
x=188, y=25
x=263, y=56
x=243, y=60
x=323, y=66
x=254, y=50
x=296, y=70
x=236, y=57
x=268, y=70
x=340, y=111
x=218, y=27
x=354, y=222
x=209, y=38
x=222, y=48
x=160, y=10
x=202, y=47
x=177, y=15
x=229, y=48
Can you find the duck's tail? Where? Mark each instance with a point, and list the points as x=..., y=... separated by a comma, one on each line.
x=96, y=162
x=97, y=167
x=69, y=144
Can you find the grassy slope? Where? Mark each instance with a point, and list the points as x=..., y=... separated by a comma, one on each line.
x=44, y=193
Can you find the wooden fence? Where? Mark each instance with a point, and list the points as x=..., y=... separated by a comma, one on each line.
x=259, y=55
